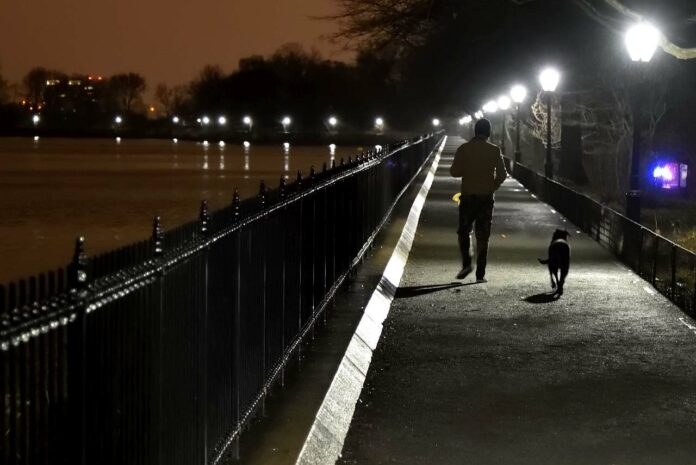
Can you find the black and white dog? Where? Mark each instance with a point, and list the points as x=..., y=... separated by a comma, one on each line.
x=559, y=259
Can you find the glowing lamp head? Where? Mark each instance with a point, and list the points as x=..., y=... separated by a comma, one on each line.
x=246, y=144
x=467, y=119
x=175, y=120
x=247, y=120
x=491, y=107
x=504, y=102
x=333, y=121
x=549, y=79
x=379, y=122
x=118, y=120
x=436, y=122
x=222, y=120
x=286, y=121
x=642, y=41
x=518, y=93
x=478, y=114
x=36, y=119
x=205, y=120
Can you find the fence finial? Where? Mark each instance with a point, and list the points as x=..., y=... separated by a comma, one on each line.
x=262, y=194
x=333, y=164
x=281, y=188
x=78, y=267
x=235, y=204
x=204, y=218
x=342, y=161
x=157, y=237
x=312, y=174
x=299, y=180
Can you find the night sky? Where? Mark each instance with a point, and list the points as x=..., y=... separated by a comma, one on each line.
x=165, y=40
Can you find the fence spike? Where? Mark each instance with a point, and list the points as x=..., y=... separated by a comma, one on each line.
x=78, y=267
x=281, y=188
x=204, y=218
x=312, y=174
x=333, y=164
x=262, y=193
x=323, y=168
x=299, y=180
x=235, y=204
x=157, y=237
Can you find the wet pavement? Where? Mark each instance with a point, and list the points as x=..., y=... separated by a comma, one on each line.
x=498, y=373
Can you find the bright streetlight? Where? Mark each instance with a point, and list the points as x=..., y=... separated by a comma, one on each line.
x=118, y=120
x=36, y=119
x=641, y=41
x=205, y=121
x=248, y=122
x=379, y=123
x=518, y=94
x=333, y=121
x=222, y=120
x=549, y=79
x=175, y=120
x=286, y=122
x=504, y=103
x=436, y=122
x=478, y=114
x=491, y=107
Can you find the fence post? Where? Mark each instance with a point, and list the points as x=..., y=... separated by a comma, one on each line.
x=262, y=240
x=654, y=263
x=673, y=259
x=236, y=330
x=282, y=194
x=77, y=331
x=204, y=232
x=157, y=247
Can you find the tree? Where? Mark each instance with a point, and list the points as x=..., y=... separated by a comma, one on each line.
x=4, y=89
x=172, y=99
x=35, y=82
x=127, y=90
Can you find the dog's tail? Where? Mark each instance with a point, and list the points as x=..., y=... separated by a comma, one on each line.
x=543, y=262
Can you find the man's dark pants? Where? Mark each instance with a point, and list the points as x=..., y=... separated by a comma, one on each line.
x=475, y=212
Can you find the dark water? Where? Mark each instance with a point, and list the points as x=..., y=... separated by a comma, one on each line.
x=53, y=190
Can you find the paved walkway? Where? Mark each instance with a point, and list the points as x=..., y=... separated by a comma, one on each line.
x=477, y=375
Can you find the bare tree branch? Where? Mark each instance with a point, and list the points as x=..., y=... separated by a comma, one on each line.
x=666, y=45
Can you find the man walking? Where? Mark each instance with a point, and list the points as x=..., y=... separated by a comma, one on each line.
x=480, y=165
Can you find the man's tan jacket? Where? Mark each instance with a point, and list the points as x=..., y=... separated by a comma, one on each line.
x=481, y=167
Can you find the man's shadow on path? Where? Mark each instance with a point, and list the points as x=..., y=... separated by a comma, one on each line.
x=543, y=298
x=415, y=291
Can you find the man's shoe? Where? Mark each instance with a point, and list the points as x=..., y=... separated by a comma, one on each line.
x=465, y=272
x=481, y=280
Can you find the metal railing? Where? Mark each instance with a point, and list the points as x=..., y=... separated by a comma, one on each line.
x=670, y=268
x=160, y=352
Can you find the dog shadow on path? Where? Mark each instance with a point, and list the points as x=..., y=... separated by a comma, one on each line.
x=543, y=298
x=415, y=291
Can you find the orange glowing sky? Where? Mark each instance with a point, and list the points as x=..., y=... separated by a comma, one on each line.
x=165, y=40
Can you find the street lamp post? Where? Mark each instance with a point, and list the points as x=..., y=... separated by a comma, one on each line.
x=641, y=43
x=549, y=79
x=518, y=94
x=504, y=105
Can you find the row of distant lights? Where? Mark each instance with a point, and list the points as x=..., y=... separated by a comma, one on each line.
x=641, y=41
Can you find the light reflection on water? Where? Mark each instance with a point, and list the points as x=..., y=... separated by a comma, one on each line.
x=56, y=189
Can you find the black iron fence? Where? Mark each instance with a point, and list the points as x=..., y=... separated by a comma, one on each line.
x=160, y=352
x=669, y=267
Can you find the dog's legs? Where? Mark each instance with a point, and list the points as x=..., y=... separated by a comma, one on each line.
x=553, y=282
x=564, y=273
